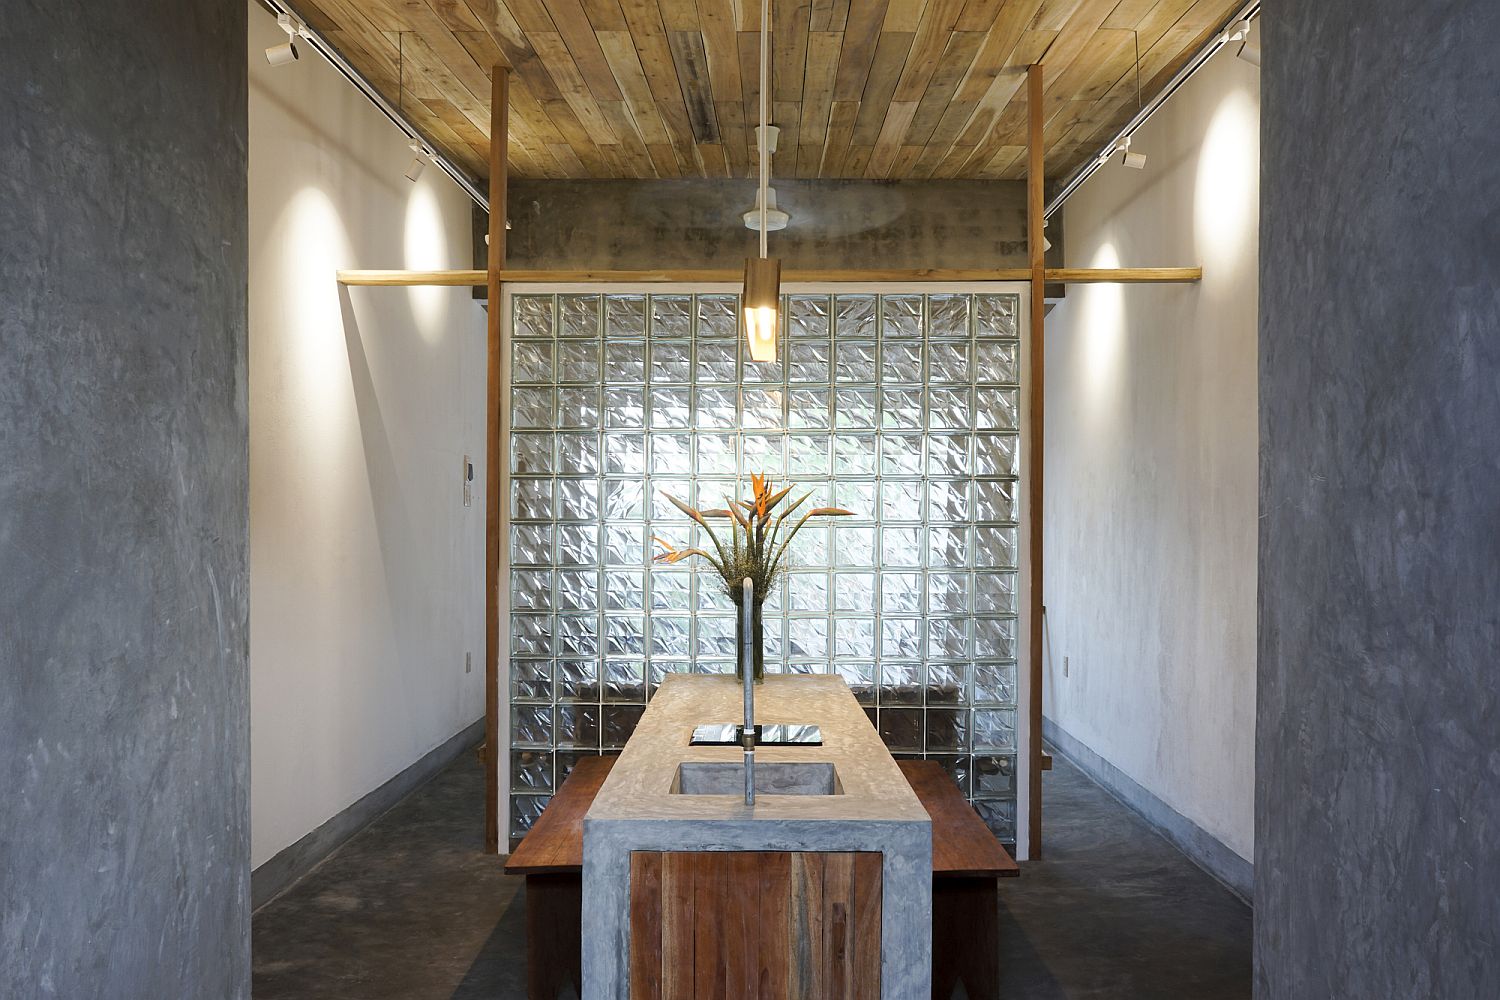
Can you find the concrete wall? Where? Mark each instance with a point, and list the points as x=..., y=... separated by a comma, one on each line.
x=835, y=224
x=367, y=570
x=124, y=823
x=1378, y=750
x=1150, y=477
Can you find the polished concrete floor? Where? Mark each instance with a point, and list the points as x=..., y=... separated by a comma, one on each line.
x=410, y=908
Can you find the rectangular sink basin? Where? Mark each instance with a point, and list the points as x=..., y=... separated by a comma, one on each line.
x=780, y=778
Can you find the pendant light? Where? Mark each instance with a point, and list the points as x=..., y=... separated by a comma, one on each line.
x=762, y=294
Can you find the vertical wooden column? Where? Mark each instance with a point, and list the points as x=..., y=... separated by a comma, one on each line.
x=494, y=752
x=1035, y=178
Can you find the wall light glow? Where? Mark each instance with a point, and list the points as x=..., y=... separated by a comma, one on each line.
x=426, y=246
x=1226, y=210
x=313, y=244
x=1102, y=328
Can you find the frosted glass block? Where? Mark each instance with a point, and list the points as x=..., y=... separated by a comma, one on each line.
x=531, y=771
x=762, y=408
x=947, y=684
x=765, y=455
x=900, y=683
x=624, y=545
x=998, y=362
x=855, y=316
x=717, y=409
x=995, y=638
x=807, y=455
x=807, y=591
x=577, y=544
x=624, y=590
x=719, y=667
x=995, y=594
x=854, y=592
x=948, y=593
x=625, y=316
x=671, y=316
x=530, y=499
x=624, y=680
x=809, y=408
x=994, y=729
x=948, y=638
x=624, y=500
x=531, y=544
x=808, y=316
x=531, y=408
x=810, y=547
x=662, y=510
x=577, y=635
x=531, y=361
x=670, y=408
x=530, y=680
x=901, y=362
x=859, y=497
x=624, y=635
x=718, y=317
x=577, y=590
x=854, y=409
x=619, y=723
x=531, y=589
x=996, y=315
x=901, y=316
x=578, y=408
x=563, y=762
x=901, y=593
x=949, y=409
x=901, y=638
x=671, y=590
x=957, y=766
x=901, y=454
x=901, y=728
x=717, y=494
x=669, y=636
x=948, y=547
x=532, y=315
x=671, y=361
x=947, y=500
x=995, y=547
x=854, y=637
x=578, y=316
x=861, y=679
x=716, y=637
x=578, y=454
x=808, y=361
x=948, y=362
x=577, y=680
x=624, y=407
x=531, y=725
x=994, y=776
x=577, y=726
x=625, y=362
x=578, y=362
x=525, y=810
x=807, y=637
x=624, y=454
x=901, y=546
x=718, y=362
x=995, y=501
x=855, y=455
x=994, y=683
x=715, y=454
x=854, y=545
x=531, y=454
x=996, y=454
x=901, y=409
x=854, y=362
x=997, y=410
x=947, y=730
x=530, y=635
x=900, y=500
x=948, y=318
x=948, y=455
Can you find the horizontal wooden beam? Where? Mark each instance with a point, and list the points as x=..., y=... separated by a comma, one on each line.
x=1065, y=275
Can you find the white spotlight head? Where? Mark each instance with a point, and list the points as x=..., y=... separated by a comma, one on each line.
x=1046, y=243
x=420, y=156
x=775, y=218
x=1135, y=161
x=280, y=55
x=1250, y=52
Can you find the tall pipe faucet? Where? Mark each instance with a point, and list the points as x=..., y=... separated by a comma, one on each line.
x=747, y=663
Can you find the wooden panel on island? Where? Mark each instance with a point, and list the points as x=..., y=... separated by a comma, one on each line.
x=754, y=924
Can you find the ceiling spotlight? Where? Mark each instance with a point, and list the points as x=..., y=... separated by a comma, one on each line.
x=420, y=155
x=1250, y=52
x=775, y=217
x=1237, y=32
x=1135, y=161
x=1046, y=243
x=280, y=55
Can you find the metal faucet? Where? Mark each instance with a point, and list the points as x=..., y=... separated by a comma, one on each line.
x=747, y=661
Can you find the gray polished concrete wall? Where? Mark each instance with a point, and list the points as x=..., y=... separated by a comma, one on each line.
x=1378, y=735
x=124, y=827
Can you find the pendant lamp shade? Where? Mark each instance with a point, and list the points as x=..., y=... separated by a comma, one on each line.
x=761, y=300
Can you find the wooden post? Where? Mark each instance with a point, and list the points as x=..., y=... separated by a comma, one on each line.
x=1035, y=178
x=499, y=127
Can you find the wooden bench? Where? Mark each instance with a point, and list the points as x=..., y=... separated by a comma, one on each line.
x=966, y=861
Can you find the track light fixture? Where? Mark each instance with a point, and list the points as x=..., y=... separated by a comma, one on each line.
x=1135, y=161
x=420, y=157
x=280, y=55
x=1248, y=50
x=1046, y=243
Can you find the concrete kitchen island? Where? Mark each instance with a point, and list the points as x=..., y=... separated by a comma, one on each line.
x=641, y=820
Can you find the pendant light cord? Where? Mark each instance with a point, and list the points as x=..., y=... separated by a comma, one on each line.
x=764, y=133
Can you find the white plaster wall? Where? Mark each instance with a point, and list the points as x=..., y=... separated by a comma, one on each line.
x=1151, y=444
x=366, y=570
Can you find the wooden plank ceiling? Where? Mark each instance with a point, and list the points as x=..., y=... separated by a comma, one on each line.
x=908, y=89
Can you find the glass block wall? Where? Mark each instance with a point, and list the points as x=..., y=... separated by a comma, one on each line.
x=903, y=408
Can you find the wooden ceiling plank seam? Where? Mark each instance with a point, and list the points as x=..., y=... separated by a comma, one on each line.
x=720, y=42
x=605, y=15
x=578, y=94
x=885, y=70
x=861, y=34
x=715, y=161
x=903, y=16
x=450, y=68
x=678, y=15
x=829, y=15
x=1053, y=14
x=926, y=49
x=624, y=62
x=663, y=160
x=567, y=158
x=675, y=117
x=525, y=64
x=859, y=156
x=385, y=16
x=786, y=115
x=979, y=15
x=315, y=17
x=995, y=55
x=617, y=113
x=456, y=15
x=1128, y=14
x=952, y=66
x=732, y=130
x=531, y=15
x=841, y=118
x=655, y=56
x=691, y=59
x=578, y=35
x=789, y=28
x=817, y=99
x=888, y=142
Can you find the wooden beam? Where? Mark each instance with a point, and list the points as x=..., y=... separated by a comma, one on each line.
x=494, y=752
x=1052, y=275
x=1035, y=177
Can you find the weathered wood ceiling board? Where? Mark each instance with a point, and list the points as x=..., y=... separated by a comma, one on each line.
x=860, y=88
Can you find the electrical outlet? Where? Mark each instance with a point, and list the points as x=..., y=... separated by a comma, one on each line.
x=468, y=663
x=468, y=482
x=1065, y=666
